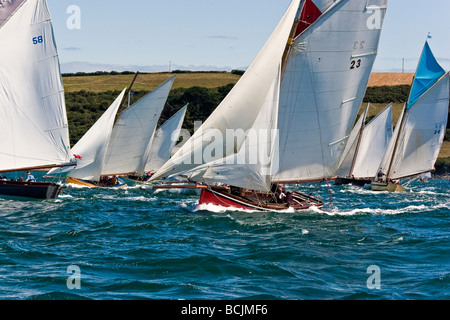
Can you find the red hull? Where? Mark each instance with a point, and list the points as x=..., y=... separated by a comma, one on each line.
x=220, y=197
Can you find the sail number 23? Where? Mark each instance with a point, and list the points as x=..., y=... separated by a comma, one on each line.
x=355, y=64
x=37, y=40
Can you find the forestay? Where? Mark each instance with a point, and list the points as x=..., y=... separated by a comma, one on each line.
x=33, y=119
x=323, y=85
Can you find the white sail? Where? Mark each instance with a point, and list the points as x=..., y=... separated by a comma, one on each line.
x=323, y=84
x=133, y=131
x=251, y=167
x=240, y=107
x=346, y=163
x=423, y=132
x=93, y=145
x=163, y=142
x=386, y=161
x=374, y=142
x=33, y=120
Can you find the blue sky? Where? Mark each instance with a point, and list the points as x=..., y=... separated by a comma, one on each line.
x=207, y=34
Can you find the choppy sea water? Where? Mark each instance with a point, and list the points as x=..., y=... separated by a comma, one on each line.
x=141, y=243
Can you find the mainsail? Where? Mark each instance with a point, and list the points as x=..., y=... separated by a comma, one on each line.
x=323, y=84
x=374, y=141
x=133, y=131
x=421, y=128
x=33, y=120
x=363, y=155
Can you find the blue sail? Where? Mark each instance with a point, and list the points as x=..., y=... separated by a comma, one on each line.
x=428, y=73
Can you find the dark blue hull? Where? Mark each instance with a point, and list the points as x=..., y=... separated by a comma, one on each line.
x=34, y=190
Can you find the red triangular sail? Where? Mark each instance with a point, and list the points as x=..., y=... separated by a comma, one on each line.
x=309, y=14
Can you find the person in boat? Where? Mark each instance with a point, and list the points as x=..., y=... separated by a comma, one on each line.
x=30, y=177
x=148, y=175
x=289, y=197
x=380, y=176
x=280, y=196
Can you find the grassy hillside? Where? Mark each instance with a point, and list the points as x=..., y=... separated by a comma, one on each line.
x=147, y=81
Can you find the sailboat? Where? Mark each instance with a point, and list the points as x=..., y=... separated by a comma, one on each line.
x=365, y=149
x=311, y=81
x=34, y=131
x=91, y=151
x=122, y=146
x=161, y=146
x=420, y=130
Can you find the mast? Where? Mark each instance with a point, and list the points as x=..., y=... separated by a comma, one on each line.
x=124, y=105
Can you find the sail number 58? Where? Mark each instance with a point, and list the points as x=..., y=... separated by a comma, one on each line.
x=37, y=40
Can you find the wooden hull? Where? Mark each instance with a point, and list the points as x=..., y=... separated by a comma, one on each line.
x=356, y=182
x=251, y=201
x=383, y=186
x=91, y=184
x=32, y=190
